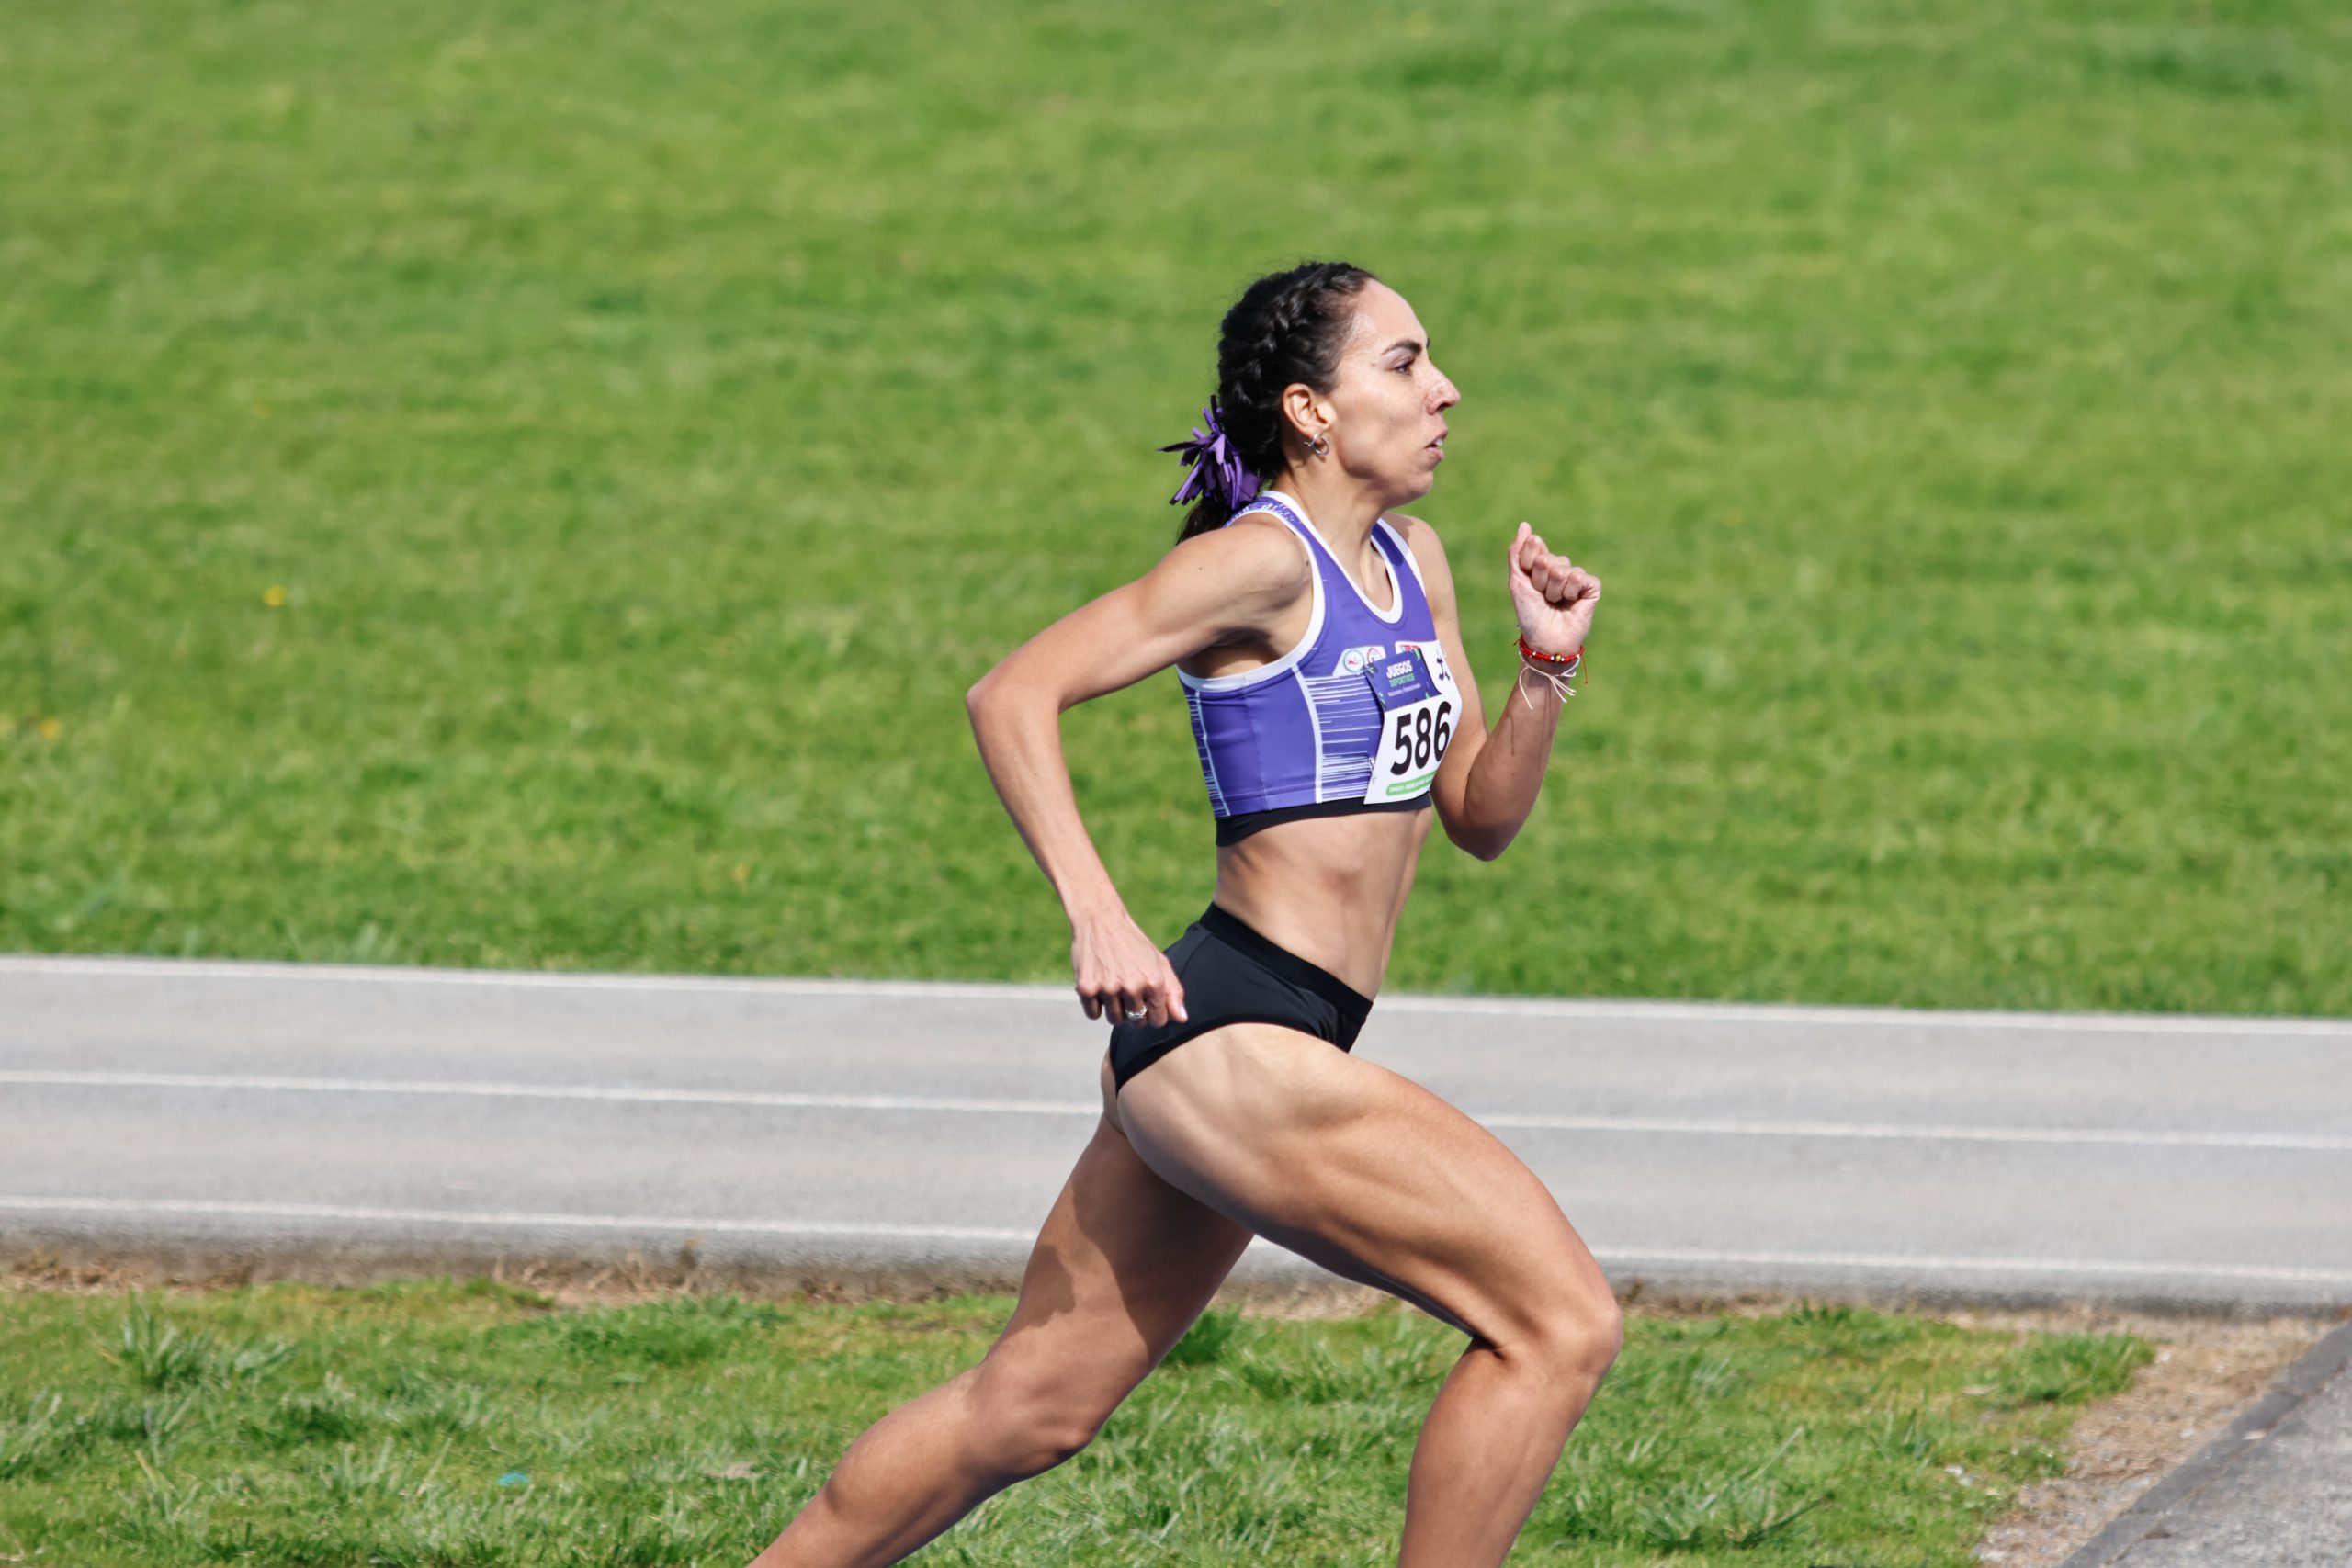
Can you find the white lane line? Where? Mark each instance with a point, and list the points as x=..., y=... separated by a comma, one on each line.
x=1633, y=1011
x=1636, y=1256
x=2325, y=1143
x=760, y=1098
x=225, y=1208
x=1866, y=1018
x=222, y=1208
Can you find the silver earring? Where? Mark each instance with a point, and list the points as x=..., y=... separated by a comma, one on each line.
x=1318, y=446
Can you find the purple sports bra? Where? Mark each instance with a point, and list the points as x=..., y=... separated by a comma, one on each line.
x=1356, y=717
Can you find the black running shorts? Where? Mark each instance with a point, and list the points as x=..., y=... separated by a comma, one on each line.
x=1231, y=974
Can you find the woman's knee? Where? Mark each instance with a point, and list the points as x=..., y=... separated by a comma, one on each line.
x=1574, y=1335
x=1024, y=1424
x=1019, y=1450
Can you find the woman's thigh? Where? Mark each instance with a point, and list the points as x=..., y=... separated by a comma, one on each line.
x=1367, y=1173
x=1123, y=1266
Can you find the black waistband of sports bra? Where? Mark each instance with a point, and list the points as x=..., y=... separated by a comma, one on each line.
x=1229, y=929
x=1233, y=829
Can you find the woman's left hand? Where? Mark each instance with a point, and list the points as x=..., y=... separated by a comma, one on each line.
x=1553, y=597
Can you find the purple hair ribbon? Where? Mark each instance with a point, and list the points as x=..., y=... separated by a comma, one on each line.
x=1217, y=472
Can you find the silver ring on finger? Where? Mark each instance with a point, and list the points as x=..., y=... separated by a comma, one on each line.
x=1135, y=1013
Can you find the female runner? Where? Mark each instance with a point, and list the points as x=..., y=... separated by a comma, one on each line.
x=1314, y=630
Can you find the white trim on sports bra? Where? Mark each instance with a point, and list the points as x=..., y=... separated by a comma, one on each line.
x=1289, y=660
x=1412, y=559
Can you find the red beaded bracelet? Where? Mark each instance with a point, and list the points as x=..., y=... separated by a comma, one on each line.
x=1539, y=657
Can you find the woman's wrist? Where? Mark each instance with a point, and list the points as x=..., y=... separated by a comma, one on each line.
x=1553, y=670
x=1547, y=659
x=1100, y=909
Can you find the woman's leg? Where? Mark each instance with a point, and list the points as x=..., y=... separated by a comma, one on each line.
x=1123, y=1266
x=1377, y=1179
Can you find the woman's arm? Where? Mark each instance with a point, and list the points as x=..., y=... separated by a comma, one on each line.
x=1228, y=585
x=1487, y=784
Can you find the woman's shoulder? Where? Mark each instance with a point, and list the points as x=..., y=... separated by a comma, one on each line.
x=1256, y=555
x=1414, y=530
x=1427, y=551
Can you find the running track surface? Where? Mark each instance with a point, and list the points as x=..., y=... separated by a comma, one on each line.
x=208, y=1111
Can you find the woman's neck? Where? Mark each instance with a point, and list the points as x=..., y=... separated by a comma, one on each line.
x=1341, y=512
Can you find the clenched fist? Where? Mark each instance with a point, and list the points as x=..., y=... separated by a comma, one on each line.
x=1553, y=597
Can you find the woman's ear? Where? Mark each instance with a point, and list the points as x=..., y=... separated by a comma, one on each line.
x=1305, y=412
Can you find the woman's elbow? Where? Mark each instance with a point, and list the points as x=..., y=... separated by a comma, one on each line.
x=1001, y=696
x=1486, y=843
x=991, y=690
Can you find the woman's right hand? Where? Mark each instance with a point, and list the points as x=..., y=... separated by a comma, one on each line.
x=1120, y=972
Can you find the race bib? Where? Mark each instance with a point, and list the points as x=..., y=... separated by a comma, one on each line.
x=1417, y=712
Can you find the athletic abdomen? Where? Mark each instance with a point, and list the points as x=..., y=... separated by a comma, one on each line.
x=1330, y=890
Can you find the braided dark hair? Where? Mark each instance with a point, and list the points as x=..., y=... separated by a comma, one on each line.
x=1286, y=327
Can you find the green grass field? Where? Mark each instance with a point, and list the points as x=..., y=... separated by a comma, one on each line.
x=463, y=1423
x=528, y=484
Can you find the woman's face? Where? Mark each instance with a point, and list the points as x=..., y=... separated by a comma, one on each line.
x=1386, y=411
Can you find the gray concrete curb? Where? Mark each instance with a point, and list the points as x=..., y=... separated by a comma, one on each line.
x=2312, y=1372
x=674, y=1254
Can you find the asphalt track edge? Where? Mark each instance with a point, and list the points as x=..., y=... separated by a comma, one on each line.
x=2310, y=1372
